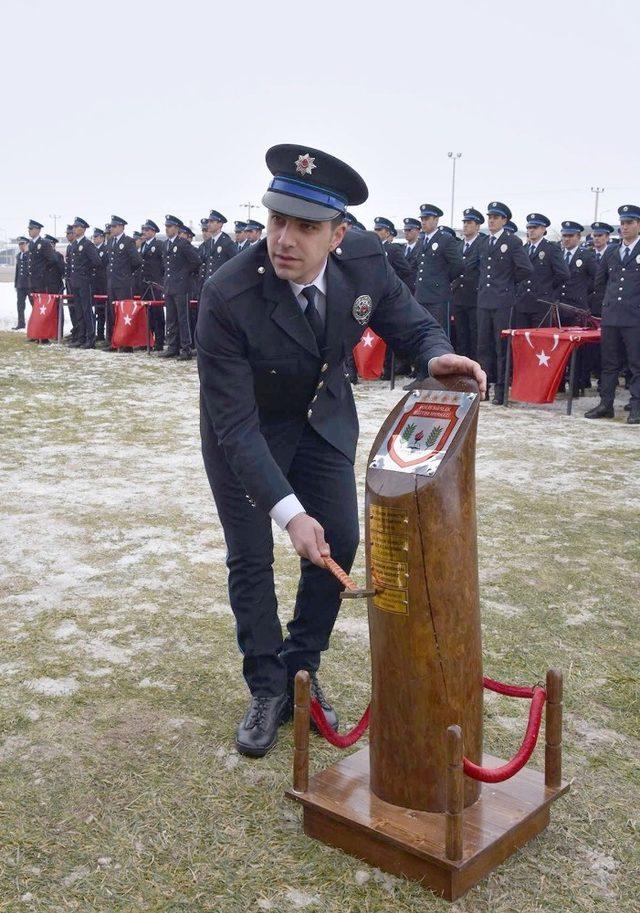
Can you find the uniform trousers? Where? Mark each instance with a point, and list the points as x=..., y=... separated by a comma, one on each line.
x=178, y=326
x=617, y=345
x=466, y=322
x=83, y=305
x=442, y=313
x=156, y=314
x=324, y=481
x=21, y=294
x=492, y=348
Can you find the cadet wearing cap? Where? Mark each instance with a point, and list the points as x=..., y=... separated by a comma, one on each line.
x=601, y=233
x=411, y=251
x=465, y=287
x=40, y=253
x=123, y=260
x=549, y=272
x=181, y=261
x=152, y=253
x=511, y=226
x=278, y=421
x=70, y=236
x=503, y=264
x=619, y=278
x=99, y=281
x=21, y=280
x=581, y=263
x=83, y=259
x=55, y=268
x=385, y=230
x=254, y=231
x=240, y=235
x=220, y=248
x=439, y=263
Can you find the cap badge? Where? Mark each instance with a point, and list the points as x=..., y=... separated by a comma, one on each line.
x=625, y=208
x=492, y=204
x=362, y=308
x=305, y=163
x=503, y=248
x=531, y=216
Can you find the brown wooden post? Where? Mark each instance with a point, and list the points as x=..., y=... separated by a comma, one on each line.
x=455, y=793
x=301, y=719
x=553, y=730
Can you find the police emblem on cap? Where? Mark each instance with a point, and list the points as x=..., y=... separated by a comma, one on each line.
x=530, y=216
x=504, y=248
x=492, y=204
x=578, y=262
x=434, y=246
x=625, y=208
x=362, y=308
x=304, y=163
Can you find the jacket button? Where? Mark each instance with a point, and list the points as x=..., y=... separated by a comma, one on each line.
x=324, y=367
x=321, y=384
x=313, y=401
x=309, y=413
x=619, y=299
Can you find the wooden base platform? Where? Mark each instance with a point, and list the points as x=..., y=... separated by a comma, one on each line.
x=340, y=810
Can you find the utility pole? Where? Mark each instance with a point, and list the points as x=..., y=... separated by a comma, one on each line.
x=454, y=156
x=55, y=217
x=597, y=191
x=249, y=207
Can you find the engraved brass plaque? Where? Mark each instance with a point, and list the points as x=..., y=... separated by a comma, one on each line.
x=389, y=534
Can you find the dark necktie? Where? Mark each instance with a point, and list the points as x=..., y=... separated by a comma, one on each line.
x=492, y=242
x=598, y=256
x=466, y=248
x=627, y=254
x=532, y=250
x=567, y=257
x=407, y=252
x=311, y=313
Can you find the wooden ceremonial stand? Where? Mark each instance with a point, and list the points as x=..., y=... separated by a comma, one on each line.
x=404, y=804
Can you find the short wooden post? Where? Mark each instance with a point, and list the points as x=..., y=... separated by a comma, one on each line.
x=301, y=720
x=455, y=793
x=553, y=730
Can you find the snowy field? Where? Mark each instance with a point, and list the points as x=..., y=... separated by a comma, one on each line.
x=120, y=681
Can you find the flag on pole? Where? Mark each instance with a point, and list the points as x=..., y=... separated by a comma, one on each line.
x=369, y=355
x=539, y=362
x=130, y=325
x=43, y=320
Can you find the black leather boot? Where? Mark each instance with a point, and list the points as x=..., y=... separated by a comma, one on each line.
x=258, y=730
x=600, y=411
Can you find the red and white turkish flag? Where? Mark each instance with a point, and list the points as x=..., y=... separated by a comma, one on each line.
x=369, y=355
x=43, y=320
x=130, y=326
x=539, y=361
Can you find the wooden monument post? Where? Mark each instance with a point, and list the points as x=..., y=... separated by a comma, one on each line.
x=403, y=803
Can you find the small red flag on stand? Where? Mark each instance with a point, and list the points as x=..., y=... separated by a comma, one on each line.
x=43, y=320
x=369, y=355
x=539, y=362
x=130, y=326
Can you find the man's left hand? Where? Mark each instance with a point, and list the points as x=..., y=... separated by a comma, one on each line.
x=459, y=364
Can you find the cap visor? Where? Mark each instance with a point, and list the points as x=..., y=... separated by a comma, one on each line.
x=297, y=208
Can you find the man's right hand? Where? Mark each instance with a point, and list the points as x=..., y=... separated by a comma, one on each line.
x=307, y=537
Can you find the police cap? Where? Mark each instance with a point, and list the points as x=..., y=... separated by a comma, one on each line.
x=150, y=225
x=601, y=228
x=472, y=215
x=629, y=211
x=536, y=219
x=496, y=208
x=572, y=228
x=411, y=223
x=382, y=222
x=215, y=216
x=429, y=209
x=34, y=224
x=511, y=226
x=80, y=223
x=51, y=239
x=239, y=226
x=173, y=220
x=117, y=220
x=252, y=225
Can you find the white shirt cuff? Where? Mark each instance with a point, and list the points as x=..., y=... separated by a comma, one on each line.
x=285, y=510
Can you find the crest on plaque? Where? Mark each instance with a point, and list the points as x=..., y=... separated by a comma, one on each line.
x=362, y=308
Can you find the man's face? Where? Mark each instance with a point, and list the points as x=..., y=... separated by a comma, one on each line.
x=470, y=228
x=214, y=227
x=429, y=224
x=535, y=232
x=253, y=234
x=23, y=246
x=298, y=249
x=629, y=229
x=148, y=234
x=33, y=232
x=495, y=222
x=571, y=241
x=70, y=236
x=115, y=230
x=78, y=231
x=170, y=230
x=97, y=240
x=240, y=236
x=600, y=240
x=383, y=233
x=411, y=234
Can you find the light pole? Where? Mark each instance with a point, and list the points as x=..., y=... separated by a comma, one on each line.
x=597, y=191
x=454, y=156
x=55, y=217
x=249, y=207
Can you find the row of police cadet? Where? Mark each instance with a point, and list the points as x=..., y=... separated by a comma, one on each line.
x=112, y=266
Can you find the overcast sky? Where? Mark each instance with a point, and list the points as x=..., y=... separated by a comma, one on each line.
x=168, y=107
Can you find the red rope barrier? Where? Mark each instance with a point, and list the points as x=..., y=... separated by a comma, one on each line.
x=510, y=690
x=340, y=741
x=517, y=762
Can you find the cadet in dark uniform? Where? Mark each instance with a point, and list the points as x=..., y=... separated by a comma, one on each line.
x=278, y=421
x=21, y=280
x=40, y=254
x=136, y=279
x=240, y=235
x=123, y=260
x=99, y=281
x=385, y=230
x=581, y=263
x=618, y=278
x=511, y=227
x=549, y=272
x=411, y=251
x=220, y=248
x=440, y=262
x=465, y=287
x=601, y=233
x=181, y=260
x=70, y=236
x=194, y=283
x=503, y=263
x=56, y=269
x=152, y=253
x=253, y=232
x=83, y=260
x=203, y=252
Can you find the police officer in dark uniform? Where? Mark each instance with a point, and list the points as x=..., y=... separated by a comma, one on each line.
x=152, y=253
x=601, y=233
x=278, y=421
x=439, y=263
x=99, y=281
x=220, y=247
x=70, y=236
x=55, y=268
x=83, y=260
x=465, y=287
x=581, y=263
x=511, y=227
x=503, y=263
x=123, y=260
x=194, y=283
x=385, y=230
x=253, y=232
x=549, y=272
x=21, y=280
x=618, y=278
x=136, y=279
x=40, y=254
x=240, y=235
x=411, y=250
x=181, y=260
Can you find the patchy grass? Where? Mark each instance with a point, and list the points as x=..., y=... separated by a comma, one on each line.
x=120, y=680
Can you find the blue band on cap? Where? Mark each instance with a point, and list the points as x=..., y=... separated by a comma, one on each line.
x=308, y=192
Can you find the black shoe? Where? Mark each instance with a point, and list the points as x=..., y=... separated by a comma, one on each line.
x=634, y=416
x=78, y=344
x=258, y=731
x=100, y=339
x=20, y=326
x=627, y=408
x=44, y=342
x=185, y=355
x=600, y=411
x=158, y=348
x=168, y=353
x=88, y=345
x=125, y=350
x=498, y=400
x=318, y=694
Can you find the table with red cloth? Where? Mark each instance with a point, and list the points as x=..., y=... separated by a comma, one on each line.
x=540, y=357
